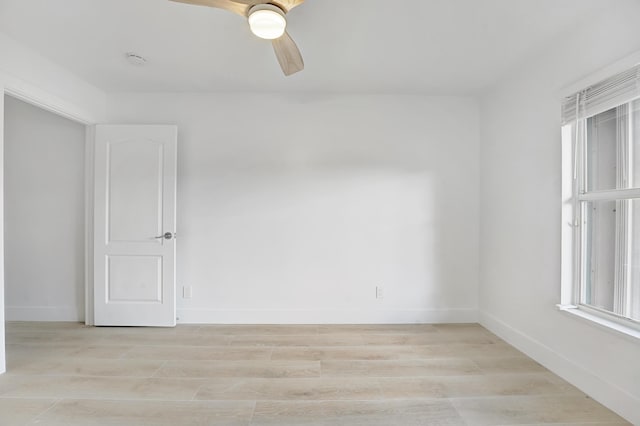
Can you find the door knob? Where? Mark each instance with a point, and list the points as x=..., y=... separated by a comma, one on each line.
x=166, y=236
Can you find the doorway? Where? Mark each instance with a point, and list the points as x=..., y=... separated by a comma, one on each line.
x=44, y=206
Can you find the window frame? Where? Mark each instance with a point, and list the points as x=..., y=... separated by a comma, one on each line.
x=574, y=199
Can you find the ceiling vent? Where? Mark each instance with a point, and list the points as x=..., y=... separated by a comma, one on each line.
x=135, y=59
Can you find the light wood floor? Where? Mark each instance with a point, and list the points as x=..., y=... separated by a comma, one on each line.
x=69, y=374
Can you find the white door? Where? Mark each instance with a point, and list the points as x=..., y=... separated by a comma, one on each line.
x=135, y=224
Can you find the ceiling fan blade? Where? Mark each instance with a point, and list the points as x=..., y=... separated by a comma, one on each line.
x=289, y=4
x=288, y=54
x=232, y=6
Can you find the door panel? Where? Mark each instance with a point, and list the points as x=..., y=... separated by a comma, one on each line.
x=134, y=279
x=135, y=203
x=135, y=190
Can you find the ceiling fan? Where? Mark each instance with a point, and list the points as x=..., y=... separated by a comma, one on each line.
x=267, y=19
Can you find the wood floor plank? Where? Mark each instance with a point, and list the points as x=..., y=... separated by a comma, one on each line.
x=147, y=413
x=400, y=368
x=240, y=369
x=85, y=367
x=541, y=409
x=18, y=412
x=314, y=389
x=358, y=413
x=20, y=386
x=197, y=353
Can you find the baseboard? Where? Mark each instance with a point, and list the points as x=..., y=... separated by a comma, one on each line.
x=42, y=313
x=220, y=316
x=608, y=394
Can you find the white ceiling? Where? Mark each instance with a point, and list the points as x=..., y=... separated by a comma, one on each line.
x=393, y=46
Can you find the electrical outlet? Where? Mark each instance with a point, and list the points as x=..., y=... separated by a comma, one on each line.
x=187, y=292
x=379, y=292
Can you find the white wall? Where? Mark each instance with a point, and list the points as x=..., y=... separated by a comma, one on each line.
x=294, y=208
x=27, y=74
x=44, y=215
x=520, y=215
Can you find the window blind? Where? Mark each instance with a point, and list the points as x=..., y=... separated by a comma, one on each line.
x=599, y=97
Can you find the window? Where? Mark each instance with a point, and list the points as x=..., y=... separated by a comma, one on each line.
x=601, y=196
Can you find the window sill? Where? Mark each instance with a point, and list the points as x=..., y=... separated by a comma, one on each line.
x=601, y=322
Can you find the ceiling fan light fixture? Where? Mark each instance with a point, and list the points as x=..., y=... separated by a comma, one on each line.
x=267, y=21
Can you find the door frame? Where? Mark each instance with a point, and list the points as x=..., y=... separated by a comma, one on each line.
x=164, y=140
x=19, y=89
